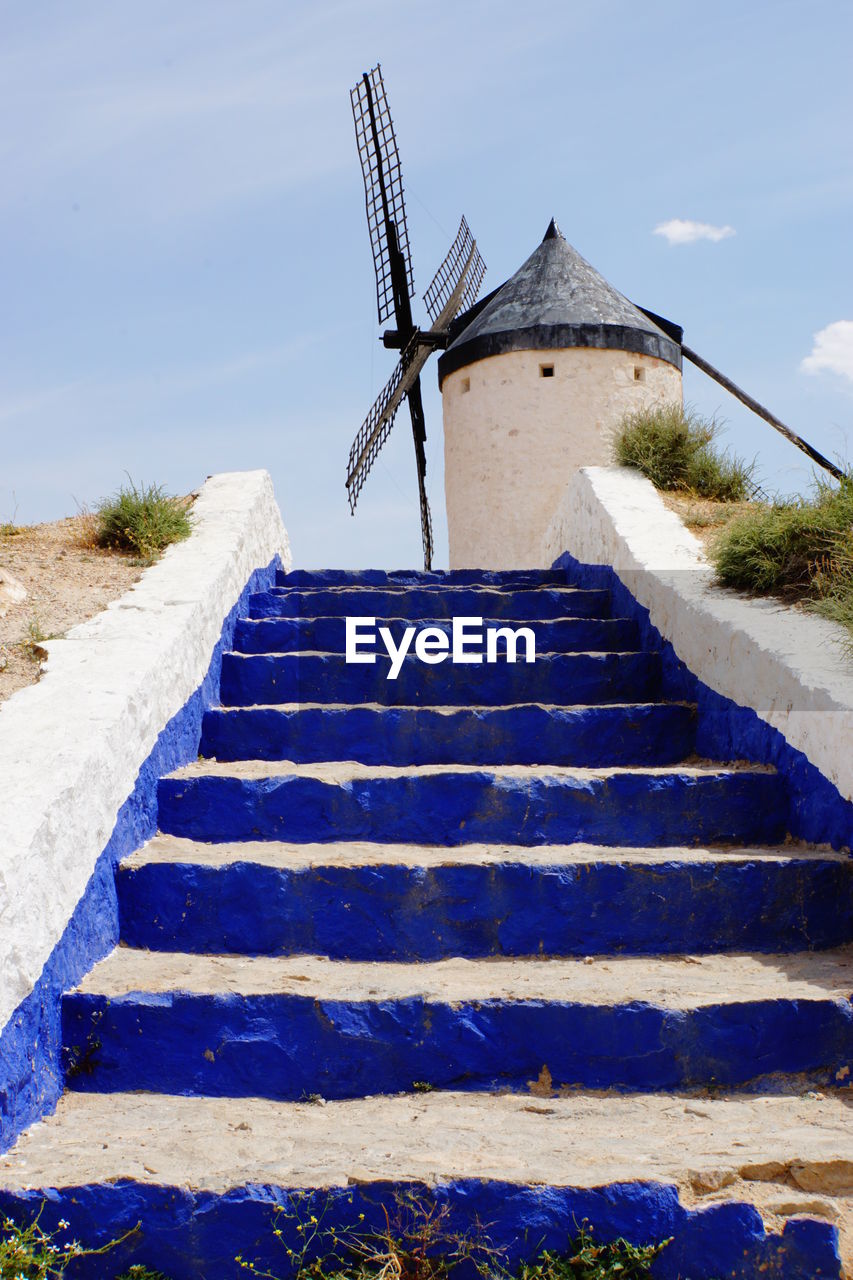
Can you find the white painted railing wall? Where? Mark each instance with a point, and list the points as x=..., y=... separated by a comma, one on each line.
x=72, y=745
x=790, y=667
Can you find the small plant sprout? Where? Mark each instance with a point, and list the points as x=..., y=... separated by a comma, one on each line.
x=589, y=1259
x=414, y=1242
x=417, y=1241
x=32, y=644
x=33, y=1253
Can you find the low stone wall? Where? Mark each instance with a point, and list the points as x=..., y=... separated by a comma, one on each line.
x=773, y=683
x=120, y=702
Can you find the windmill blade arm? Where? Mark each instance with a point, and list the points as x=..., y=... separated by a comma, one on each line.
x=376, y=428
x=457, y=282
x=383, y=185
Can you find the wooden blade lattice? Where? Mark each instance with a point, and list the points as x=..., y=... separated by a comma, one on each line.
x=376, y=428
x=456, y=283
x=463, y=259
x=383, y=183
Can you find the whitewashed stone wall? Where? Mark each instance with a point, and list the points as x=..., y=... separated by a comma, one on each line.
x=72, y=745
x=788, y=666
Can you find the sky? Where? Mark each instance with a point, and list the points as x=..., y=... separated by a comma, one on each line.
x=187, y=275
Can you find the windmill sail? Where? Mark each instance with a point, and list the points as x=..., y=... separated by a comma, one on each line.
x=463, y=259
x=455, y=286
x=383, y=186
x=376, y=428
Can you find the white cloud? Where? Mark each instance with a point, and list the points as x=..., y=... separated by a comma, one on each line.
x=685, y=231
x=832, y=350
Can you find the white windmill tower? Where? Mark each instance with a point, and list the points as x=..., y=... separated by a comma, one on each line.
x=533, y=385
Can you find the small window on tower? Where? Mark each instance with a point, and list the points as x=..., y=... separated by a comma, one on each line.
x=639, y=373
x=546, y=371
x=465, y=385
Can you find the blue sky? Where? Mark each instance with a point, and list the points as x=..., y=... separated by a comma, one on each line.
x=187, y=277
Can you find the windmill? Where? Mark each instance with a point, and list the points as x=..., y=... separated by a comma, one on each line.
x=454, y=288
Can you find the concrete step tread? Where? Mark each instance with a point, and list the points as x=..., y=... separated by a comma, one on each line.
x=449, y=709
x=319, y=577
x=439, y=588
x=670, y=982
x=327, y=631
x=171, y=850
x=701, y=1144
x=439, y=621
x=555, y=656
x=343, y=771
x=420, y=601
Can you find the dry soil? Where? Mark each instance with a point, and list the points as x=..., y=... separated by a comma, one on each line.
x=67, y=580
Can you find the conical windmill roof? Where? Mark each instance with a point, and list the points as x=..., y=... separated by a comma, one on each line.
x=556, y=300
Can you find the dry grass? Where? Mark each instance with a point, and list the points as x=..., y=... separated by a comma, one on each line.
x=675, y=449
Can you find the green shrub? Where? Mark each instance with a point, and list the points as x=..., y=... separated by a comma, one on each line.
x=674, y=448
x=142, y=520
x=800, y=547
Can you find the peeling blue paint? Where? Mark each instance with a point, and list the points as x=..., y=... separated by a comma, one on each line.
x=510, y=908
x=501, y=578
x=30, y=1072
x=815, y=809
x=426, y=602
x=561, y=679
x=196, y=1235
x=287, y=1047
x=554, y=635
x=459, y=808
x=650, y=734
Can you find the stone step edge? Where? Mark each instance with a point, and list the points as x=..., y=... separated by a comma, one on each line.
x=338, y=771
x=668, y=982
x=698, y=1142
x=450, y=708
x=438, y=621
x=439, y=588
x=168, y=850
x=412, y=658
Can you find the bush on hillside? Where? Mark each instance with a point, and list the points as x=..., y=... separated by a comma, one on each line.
x=793, y=547
x=142, y=521
x=674, y=448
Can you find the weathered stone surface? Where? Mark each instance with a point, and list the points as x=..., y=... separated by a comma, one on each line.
x=368, y=902
x=204, y=1174
x=456, y=804
x=640, y=733
x=12, y=591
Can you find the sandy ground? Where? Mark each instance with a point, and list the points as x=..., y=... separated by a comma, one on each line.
x=702, y=517
x=67, y=580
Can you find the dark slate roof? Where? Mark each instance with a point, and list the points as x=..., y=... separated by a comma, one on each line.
x=556, y=299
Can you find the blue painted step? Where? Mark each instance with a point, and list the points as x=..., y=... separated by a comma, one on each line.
x=531, y=1191
x=285, y=1029
x=645, y=733
x=553, y=679
x=562, y=635
x=504, y=579
x=425, y=602
x=382, y=903
x=457, y=805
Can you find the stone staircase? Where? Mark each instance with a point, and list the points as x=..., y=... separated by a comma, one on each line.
x=413, y=929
